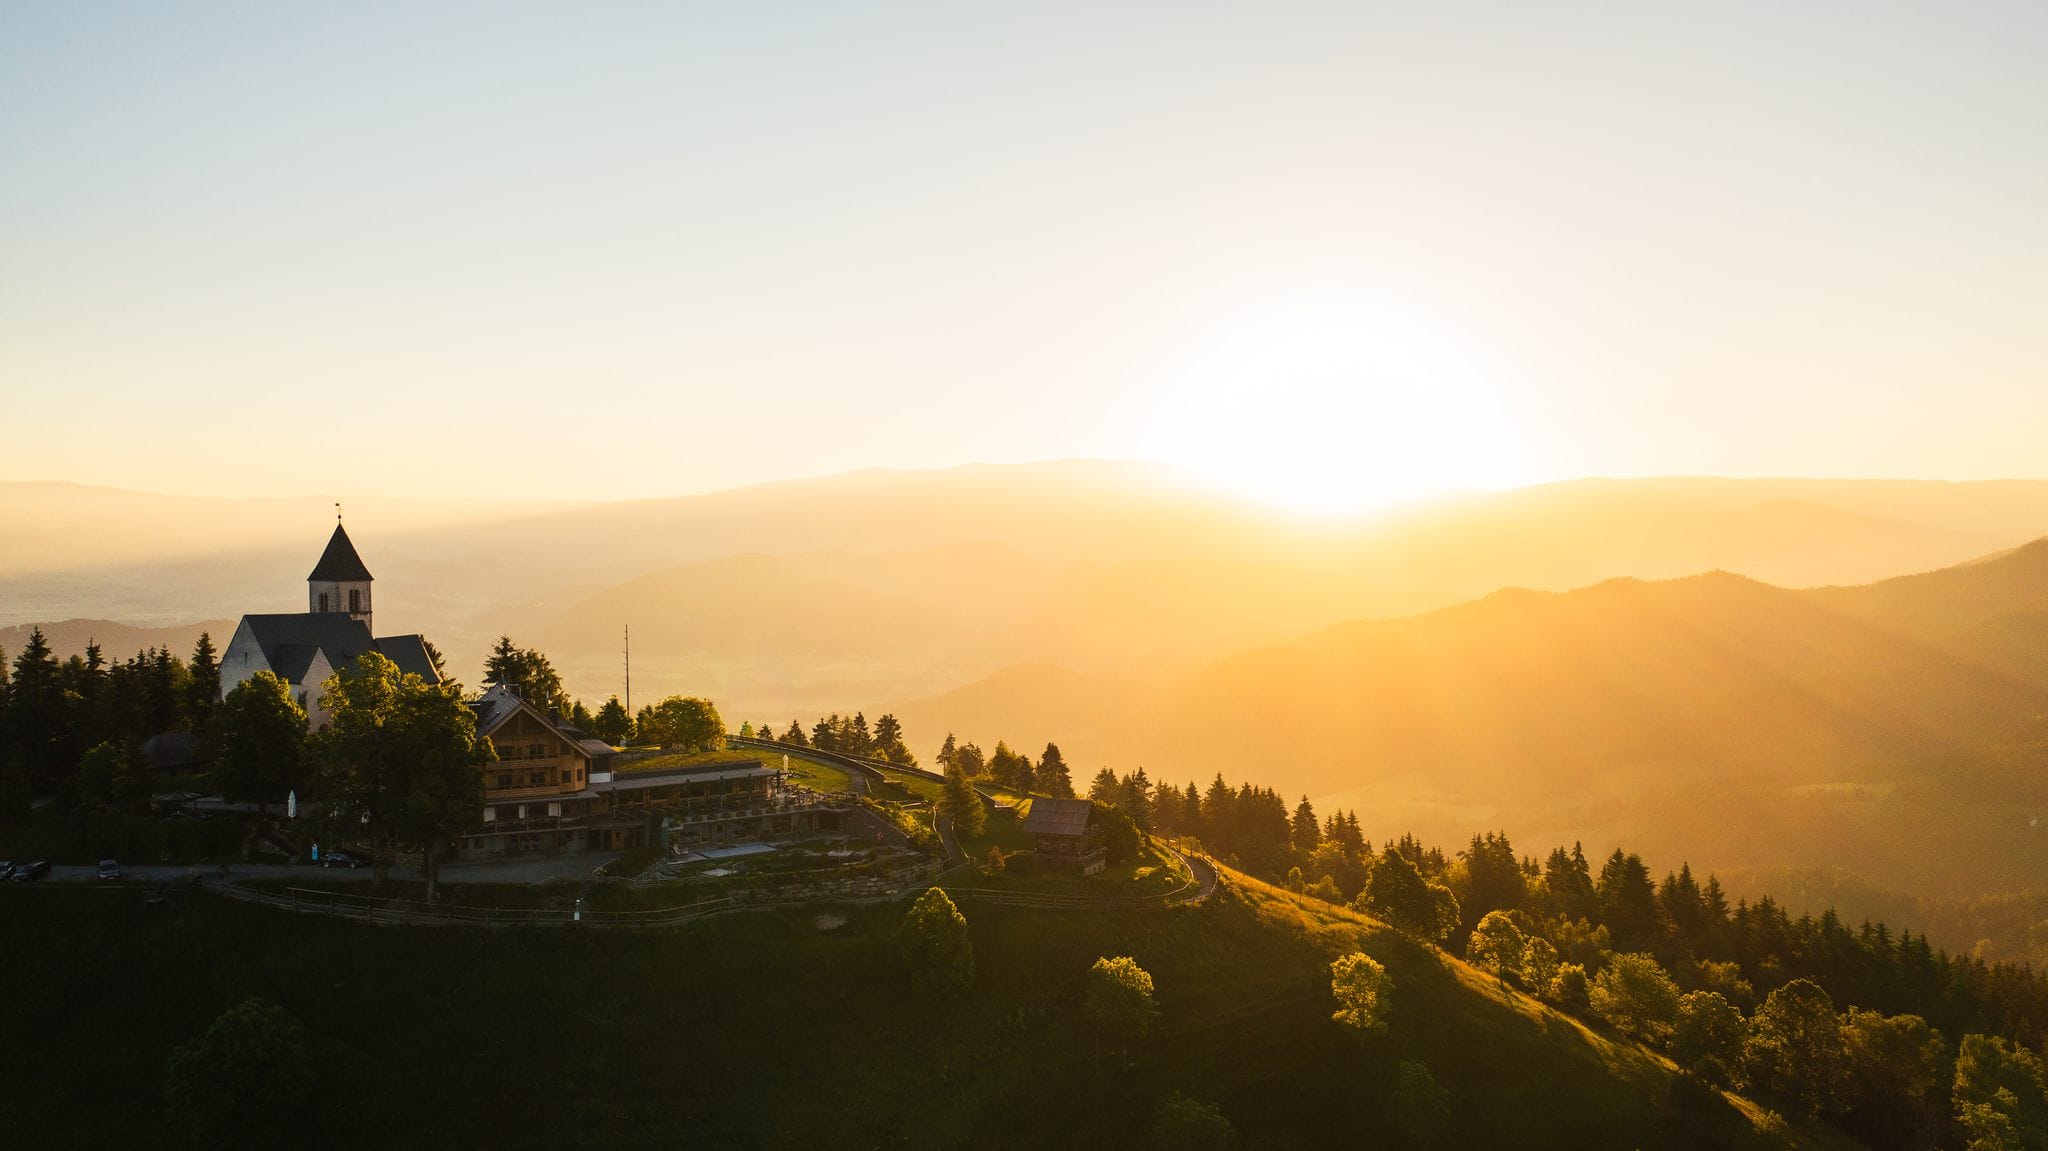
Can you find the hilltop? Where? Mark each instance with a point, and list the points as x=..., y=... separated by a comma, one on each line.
x=762, y=1029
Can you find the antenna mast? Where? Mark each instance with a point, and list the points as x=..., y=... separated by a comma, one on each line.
x=629, y=671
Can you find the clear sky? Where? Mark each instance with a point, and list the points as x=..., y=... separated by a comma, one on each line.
x=1331, y=252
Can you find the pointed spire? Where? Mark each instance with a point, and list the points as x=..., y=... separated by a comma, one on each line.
x=340, y=561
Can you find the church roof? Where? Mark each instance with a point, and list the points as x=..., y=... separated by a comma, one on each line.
x=409, y=652
x=290, y=642
x=339, y=561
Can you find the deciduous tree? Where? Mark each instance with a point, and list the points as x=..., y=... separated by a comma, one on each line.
x=1119, y=1001
x=399, y=759
x=1707, y=1040
x=1634, y=994
x=1794, y=1048
x=1363, y=991
x=685, y=722
x=1497, y=945
x=259, y=735
x=2001, y=1095
x=934, y=944
x=244, y=1081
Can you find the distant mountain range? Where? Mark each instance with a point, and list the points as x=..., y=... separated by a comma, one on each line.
x=1878, y=719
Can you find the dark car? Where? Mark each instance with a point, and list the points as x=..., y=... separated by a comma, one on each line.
x=110, y=869
x=6, y=868
x=345, y=858
x=30, y=872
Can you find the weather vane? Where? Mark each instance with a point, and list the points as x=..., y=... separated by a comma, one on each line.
x=337, y=511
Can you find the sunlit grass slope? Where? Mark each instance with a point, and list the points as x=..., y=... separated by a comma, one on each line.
x=764, y=1030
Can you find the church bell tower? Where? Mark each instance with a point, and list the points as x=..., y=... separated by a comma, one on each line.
x=340, y=582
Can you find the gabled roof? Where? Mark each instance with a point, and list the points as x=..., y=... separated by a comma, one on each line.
x=1058, y=816
x=501, y=703
x=289, y=641
x=339, y=561
x=409, y=652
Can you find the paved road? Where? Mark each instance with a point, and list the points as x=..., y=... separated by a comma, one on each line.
x=944, y=824
x=1203, y=871
x=522, y=869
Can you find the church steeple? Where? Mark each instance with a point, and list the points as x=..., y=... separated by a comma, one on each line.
x=340, y=582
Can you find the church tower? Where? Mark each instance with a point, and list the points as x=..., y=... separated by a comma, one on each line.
x=339, y=581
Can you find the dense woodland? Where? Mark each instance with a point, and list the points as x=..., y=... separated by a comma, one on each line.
x=1895, y=1040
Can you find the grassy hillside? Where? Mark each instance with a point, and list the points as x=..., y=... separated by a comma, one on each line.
x=781, y=1029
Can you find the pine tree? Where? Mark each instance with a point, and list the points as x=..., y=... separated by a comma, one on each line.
x=35, y=715
x=1053, y=776
x=1106, y=788
x=204, y=692
x=1307, y=834
x=961, y=803
x=1137, y=799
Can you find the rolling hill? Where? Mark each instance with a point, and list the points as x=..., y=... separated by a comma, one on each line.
x=778, y=1028
x=1897, y=730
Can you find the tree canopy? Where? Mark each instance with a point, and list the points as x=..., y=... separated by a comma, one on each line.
x=259, y=735
x=399, y=759
x=241, y=1083
x=1119, y=1001
x=935, y=947
x=1363, y=991
x=528, y=672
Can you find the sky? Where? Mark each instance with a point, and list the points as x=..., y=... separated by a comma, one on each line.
x=1326, y=253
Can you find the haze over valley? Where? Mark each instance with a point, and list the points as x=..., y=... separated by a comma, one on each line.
x=1744, y=674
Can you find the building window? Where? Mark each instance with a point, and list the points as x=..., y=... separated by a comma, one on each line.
x=355, y=601
x=323, y=601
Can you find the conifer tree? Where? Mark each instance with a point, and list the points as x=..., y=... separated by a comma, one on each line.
x=204, y=691
x=960, y=803
x=1053, y=777
x=1307, y=834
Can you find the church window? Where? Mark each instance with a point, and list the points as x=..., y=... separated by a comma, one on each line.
x=323, y=601
x=355, y=601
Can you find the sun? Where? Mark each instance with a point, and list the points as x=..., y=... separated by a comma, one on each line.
x=1335, y=410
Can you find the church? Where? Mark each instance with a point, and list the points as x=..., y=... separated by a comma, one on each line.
x=304, y=649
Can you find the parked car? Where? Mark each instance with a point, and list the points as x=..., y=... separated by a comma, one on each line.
x=6, y=868
x=30, y=872
x=344, y=858
x=110, y=869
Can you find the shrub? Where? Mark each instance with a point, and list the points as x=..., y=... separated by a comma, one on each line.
x=1184, y=1124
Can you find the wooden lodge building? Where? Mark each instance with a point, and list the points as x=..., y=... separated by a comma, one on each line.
x=554, y=790
x=1060, y=827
